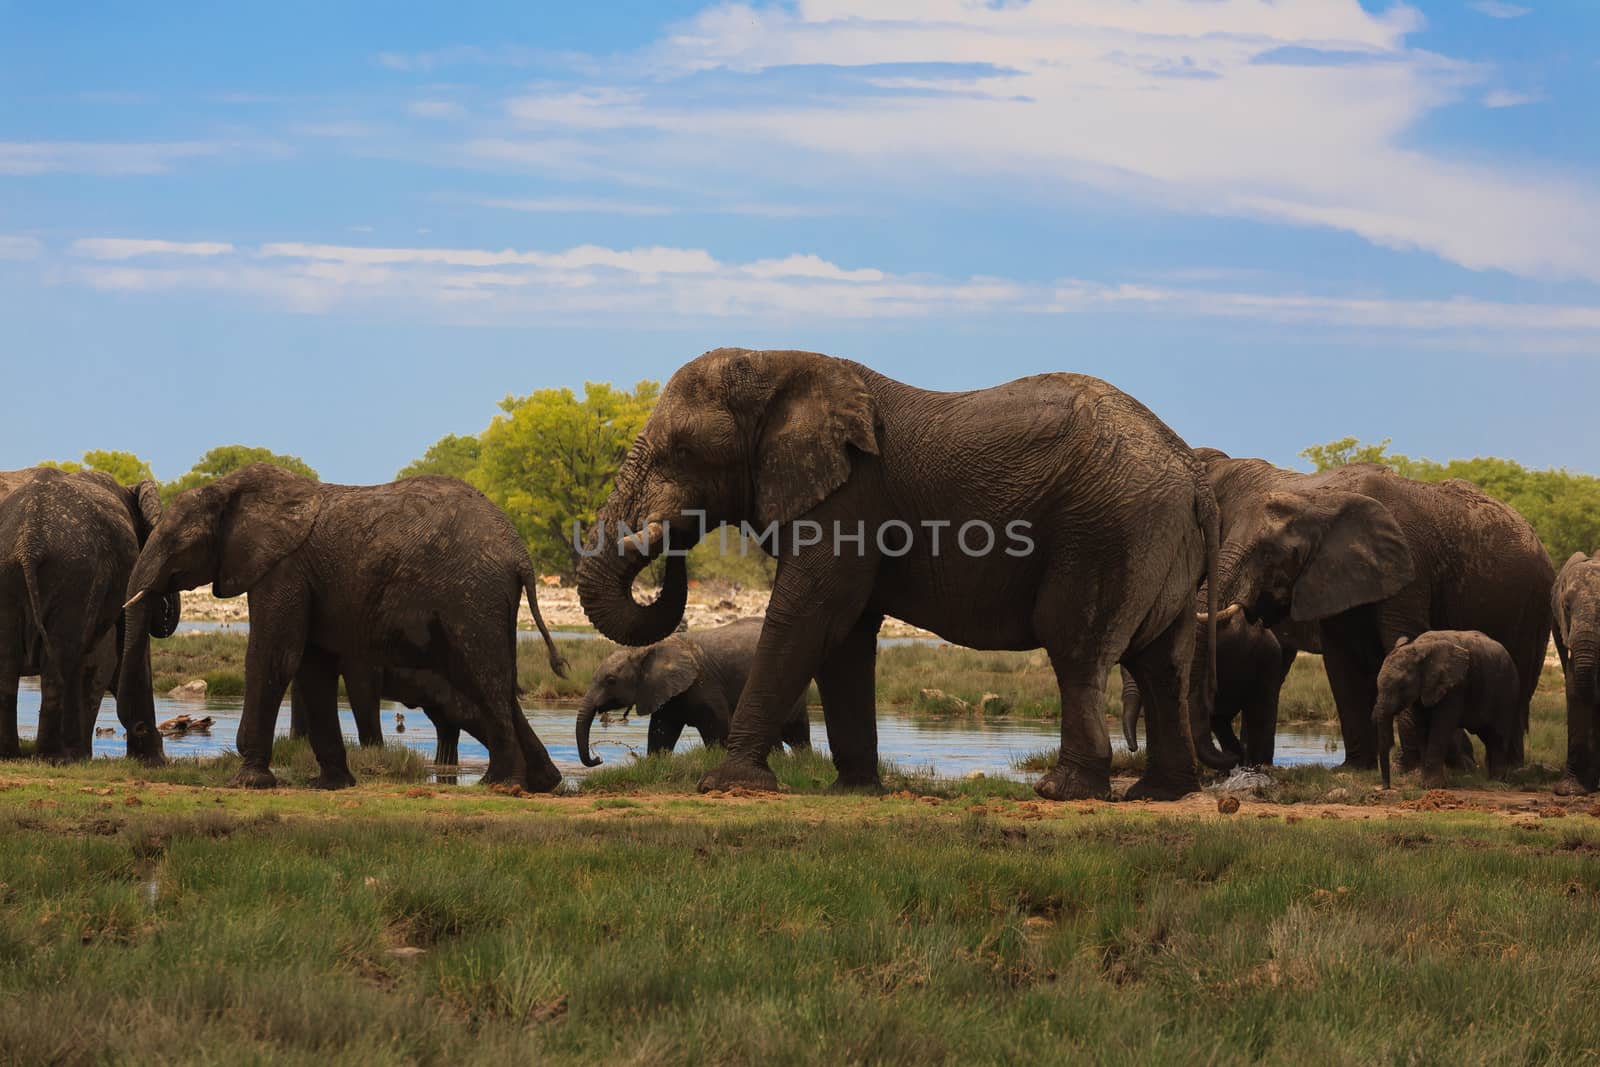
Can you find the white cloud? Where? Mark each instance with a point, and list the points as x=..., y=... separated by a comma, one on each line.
x=557, y=205
x=1298, y=111
x=1498, y=98
x=12, y=247
x=1495, y=9
x=437, y=109
x=82, y=157
x=680, y=284
x=126, y=248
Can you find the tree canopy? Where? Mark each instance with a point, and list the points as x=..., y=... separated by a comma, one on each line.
x=225, y=459
x=453, y=455
x=125, y=467
x=1563, y=506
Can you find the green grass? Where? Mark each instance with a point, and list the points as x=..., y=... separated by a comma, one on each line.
x=458, y=927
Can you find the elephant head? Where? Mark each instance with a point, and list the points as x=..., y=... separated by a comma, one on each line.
x=642, y=678
x=1311, y=555
x=1575, y=604
x=736, y=436
x=1420, y=674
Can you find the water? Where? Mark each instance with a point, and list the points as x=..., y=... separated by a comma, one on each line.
x=944, y=748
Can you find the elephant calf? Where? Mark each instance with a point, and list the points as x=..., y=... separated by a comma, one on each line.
x=1444, y=681
x=689, y=679
x=1576, y=611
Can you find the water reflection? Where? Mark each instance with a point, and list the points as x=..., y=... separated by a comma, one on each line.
x=946, y=748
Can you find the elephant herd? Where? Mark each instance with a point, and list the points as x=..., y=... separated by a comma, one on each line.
x=1052, y=512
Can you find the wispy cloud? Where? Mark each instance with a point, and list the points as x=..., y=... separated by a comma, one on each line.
x=437, y=109
x=1496, y=9
x=462, y=55
x=580, y=205
x=665, y=283
x=129, y=248
x=1498, y=98
x=13, y=247
x=85, y=157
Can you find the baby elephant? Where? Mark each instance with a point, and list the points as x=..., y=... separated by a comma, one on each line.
x=689, y=679
x=1442, y=682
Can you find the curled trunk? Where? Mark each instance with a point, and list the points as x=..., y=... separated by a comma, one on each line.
x=585, y=721
x=605, y=588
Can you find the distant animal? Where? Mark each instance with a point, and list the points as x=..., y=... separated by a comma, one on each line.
x=1441, y=682
x=420, y=574
x=1575, y=604
x=688, y=679
x=399, y=723
x=1120, y=524
x=550, y=579
x=67, y=544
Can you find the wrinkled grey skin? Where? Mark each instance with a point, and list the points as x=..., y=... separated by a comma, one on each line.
x=1118, y=509
x=367, y=687
x=1371, y=557
x=67, y=543
x=1575, y=608
x=1441, y=683
x=689, y=679
x=1252, y=663
x=422, y=574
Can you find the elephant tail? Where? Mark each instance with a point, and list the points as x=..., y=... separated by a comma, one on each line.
x=558, y=662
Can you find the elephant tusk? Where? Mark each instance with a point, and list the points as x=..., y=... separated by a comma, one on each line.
x=1224, y=615
x=135, y=599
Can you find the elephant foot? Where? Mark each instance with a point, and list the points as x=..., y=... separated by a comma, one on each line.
x=739, y=774
x=149, y=759
x=1074, y=783
x=11, y=751
x=340, y=779
x=1435, y=781
x=1358, y=763
x=1570, y=786
x=857, y=785
x=543, y=781
x=254, y=778
x=1167, y=787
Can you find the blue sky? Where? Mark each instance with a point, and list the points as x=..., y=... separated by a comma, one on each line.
x=344, y=233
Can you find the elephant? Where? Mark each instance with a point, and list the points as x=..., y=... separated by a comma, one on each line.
x=1252, y=662
x=366, y=687
x=1439, y=683
x=688, y=679
x=1369, y=557
x=421, y=574
x=67, y=544
x=1575, y=608
x=1055, y=511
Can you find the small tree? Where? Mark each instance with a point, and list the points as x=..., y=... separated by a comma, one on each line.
x=125, y=467
x=225, y=459
x=453, y=455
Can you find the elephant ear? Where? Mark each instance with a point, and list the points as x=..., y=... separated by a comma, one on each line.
x=1359, y=556
x=268, y=514
x=1443, y=668
x=820, y=412
x=669, y=668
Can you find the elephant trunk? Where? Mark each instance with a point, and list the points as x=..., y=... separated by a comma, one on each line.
x=136, y=708
x=1383, y=723
x=1583, y=661
x=1130, y=710
x=585, y=721
x=605, y=588
x=1203, y=694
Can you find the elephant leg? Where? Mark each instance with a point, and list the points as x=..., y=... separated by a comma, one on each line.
x=1582, y=774
x=1413, y=739
x=1353, y=676
x=361, y=686
x=10, y=742
x=448, y=732
x=847, y=684
x=1260, y=715
x=272, y=657
x=318, y=680
x=540, y=774
x=47, y=738
x=666, y=726
x=797, y=734
x=298, y=713
x=817, y=603
x=1444, y=722
x=1162, y=671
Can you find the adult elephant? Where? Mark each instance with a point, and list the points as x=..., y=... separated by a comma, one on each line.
x=1252, y=662
x=1371, y=557
x=1052, y=511
x=688, y=679
x=421, y=574
x=1575, y=605
x=67, y=545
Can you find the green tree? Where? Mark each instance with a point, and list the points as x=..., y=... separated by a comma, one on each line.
x=225, y=459
x=125, y=467
x=1562, y=506
x=453, y=455
x=551, y=460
